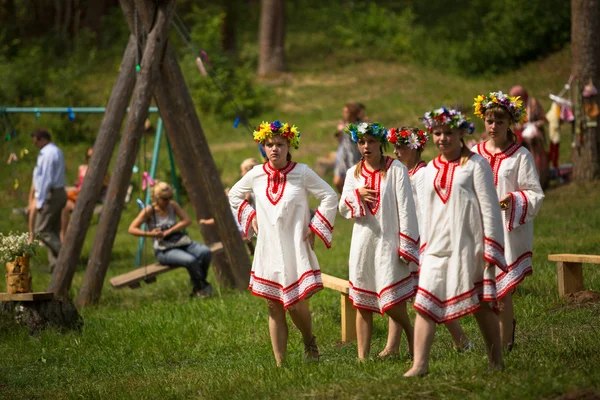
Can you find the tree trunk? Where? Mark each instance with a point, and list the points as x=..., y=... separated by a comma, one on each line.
x=271, y=38
x=95, y=273
x=228, y=33
x=108, y=134
x=585, y=50
x=198, y=170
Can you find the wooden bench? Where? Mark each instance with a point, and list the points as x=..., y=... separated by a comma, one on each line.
x=569, y=271
x=148, y=273
x=348, y=312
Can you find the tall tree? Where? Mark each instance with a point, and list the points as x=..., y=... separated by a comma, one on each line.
x=585, y=53
x=271, y=37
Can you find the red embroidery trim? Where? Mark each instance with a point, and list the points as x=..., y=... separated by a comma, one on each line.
x=420, y=164
x=495, y=160
x=445, y=172
x=276, y=180
x=373, y=182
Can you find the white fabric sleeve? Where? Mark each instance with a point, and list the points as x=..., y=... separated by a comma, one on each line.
x=527, y=201
x=322, y=223
x=483, y=181
x=242, y=209
x=351, y=205
x=408, y=226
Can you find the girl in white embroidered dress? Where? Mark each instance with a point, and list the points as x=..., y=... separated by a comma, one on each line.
x=409, y=143
x=385, y=239
x=462, y=240
x=285, y=270
x=520, y=193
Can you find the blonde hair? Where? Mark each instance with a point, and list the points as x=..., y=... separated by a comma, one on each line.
x=161, y=189
x=359, y=166
x=248, y=164
x=465, y=153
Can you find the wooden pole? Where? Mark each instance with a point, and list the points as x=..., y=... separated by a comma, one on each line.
x=134, y=127
x=198, y=169
x=104, y=146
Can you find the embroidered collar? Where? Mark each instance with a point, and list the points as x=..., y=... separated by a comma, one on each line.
x=276, y=180
x=373, y=182
x=444, y=177
x=420, y=164
x=495, y=160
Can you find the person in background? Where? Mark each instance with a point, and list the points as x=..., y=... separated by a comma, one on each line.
x=347, y=153
x=74, y=192
x=47, y=196
x=531, y=132
x=171, y=245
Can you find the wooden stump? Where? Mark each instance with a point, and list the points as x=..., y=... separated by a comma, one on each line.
x=37, y=315
x=18, y=279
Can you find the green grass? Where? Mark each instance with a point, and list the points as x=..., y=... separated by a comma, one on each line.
x=157, y=343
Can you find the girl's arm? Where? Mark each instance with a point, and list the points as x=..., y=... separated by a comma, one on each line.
x=408, y=232
x=241, y=207
x=493, y=232
x=351, y=204
x=135, y=226
x=524, y=204
x=322, y=222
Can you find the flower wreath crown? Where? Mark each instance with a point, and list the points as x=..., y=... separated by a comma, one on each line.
x=512, y=104
x=359, y=131
x=444, y=116
x=267, y=130
x=414, y=138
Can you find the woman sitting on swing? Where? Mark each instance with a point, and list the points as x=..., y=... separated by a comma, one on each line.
x=171, y=245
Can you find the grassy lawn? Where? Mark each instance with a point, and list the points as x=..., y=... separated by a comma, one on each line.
x=155, y=342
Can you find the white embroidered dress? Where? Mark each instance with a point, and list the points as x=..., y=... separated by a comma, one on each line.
x=285, y=268
x=383, y=232
x=416, y=175
x=461, y=228
x=515, y=174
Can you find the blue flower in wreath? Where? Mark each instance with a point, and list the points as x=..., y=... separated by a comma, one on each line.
x=276, y=125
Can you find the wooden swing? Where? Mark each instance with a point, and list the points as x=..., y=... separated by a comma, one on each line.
x=149, y=273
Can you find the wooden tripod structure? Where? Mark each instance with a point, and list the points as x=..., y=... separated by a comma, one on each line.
x=159, y=77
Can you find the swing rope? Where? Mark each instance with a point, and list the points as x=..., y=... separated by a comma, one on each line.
x=186, y=37
x=12, y=155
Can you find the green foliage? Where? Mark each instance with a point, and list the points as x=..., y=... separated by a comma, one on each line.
x=230, y=86
x=367, y=27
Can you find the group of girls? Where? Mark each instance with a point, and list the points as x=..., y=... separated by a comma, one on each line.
x=455, y=235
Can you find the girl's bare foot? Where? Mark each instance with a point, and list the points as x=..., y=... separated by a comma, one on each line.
x=386, y=353
x=416, y=371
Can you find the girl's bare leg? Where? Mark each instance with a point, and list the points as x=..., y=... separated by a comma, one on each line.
x=424, y=333
x=488, y=324
x=400, y=316
x=506, y=316
x=461, y=340
x=278, y=330
x=300, y=313
x=364, y=330
x=392, y=347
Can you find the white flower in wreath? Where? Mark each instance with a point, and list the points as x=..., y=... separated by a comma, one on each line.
x=413, y=141
x=362, y=127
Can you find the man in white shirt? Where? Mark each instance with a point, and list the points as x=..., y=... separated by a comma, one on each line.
x=47, y=196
